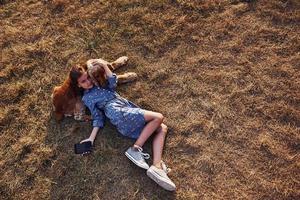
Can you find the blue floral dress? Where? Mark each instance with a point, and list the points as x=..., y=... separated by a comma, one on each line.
x=125, y=115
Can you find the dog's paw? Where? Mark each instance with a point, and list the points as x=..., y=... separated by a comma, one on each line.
x=119, y=62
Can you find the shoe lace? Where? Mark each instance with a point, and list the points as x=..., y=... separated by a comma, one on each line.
x=165, y=168
x=145, y=155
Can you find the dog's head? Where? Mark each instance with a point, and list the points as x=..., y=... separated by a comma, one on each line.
x=97, y=73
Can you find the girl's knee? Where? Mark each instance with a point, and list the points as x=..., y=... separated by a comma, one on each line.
x=153, y=116
x=159, y=118
x=164, y=128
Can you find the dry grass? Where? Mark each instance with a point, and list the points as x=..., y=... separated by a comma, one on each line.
x=224, y=73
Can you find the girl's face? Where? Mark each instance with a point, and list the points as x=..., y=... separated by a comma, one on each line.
x=84, y=81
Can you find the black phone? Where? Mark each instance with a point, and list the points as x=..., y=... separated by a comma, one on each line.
x=83, y=148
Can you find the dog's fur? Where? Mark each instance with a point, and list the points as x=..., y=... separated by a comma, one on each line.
x=67, y=103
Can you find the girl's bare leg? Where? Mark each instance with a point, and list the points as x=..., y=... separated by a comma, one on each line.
x=154, y=121
x=158, y=144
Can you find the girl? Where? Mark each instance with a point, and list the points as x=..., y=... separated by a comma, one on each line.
x=130, y=120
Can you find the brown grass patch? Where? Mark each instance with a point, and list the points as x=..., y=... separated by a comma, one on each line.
x=225, y=74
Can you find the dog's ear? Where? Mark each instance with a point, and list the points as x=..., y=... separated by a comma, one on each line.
x=93, y=77
x=100, y=76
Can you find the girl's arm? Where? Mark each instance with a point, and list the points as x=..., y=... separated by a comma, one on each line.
x=92, y=136
x=92, y=62
x=108, y=72
x=98, y=118
x=111, y=78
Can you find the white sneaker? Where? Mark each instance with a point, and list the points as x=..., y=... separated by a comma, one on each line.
x=137, y=156
x=160, y=177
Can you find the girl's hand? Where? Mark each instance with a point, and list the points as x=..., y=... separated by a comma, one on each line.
x=92, y=136
x=88, y=140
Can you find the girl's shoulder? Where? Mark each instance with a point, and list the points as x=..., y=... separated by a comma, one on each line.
x=87, y=94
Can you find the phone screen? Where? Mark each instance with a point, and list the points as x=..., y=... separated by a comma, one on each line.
x=84, y=147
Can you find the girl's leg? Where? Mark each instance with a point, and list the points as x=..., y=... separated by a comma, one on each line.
x=158, y=171
x=154, y=121
x=158, y=144
x=135, y=154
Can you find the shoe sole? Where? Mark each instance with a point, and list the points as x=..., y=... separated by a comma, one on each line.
x=154, y=176
x=133, y=160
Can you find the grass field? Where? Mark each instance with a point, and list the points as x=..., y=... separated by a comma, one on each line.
x=224, y=73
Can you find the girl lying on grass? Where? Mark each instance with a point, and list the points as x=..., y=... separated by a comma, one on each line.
x=130, y=120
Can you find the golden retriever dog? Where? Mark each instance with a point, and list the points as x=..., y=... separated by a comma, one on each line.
x=66, y=102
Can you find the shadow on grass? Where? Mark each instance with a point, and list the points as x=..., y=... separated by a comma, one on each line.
x=104, y=174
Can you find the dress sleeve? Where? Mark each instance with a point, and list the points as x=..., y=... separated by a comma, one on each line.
x=112, y=82
x=98, y=116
